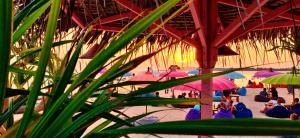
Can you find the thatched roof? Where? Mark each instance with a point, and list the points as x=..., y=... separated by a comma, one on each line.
x=271, y=20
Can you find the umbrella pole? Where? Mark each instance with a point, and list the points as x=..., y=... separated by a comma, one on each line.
x=293, y=93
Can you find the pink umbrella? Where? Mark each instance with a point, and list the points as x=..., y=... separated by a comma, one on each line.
x=145, y=77
x=219, y=83
x=265, y=73
x=173, y=74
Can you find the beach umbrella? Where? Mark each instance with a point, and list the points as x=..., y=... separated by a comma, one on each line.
x=265, y=73
x=219, y=83
x=145, y=77
x=234, y=75
x=288, y=79
x=173, y=73
x=194, y=71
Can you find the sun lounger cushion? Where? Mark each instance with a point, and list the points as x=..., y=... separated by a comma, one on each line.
x=259, y=98
x=278, y=112
x=242, y=91
x=242, y=111
x=193, y=114
x=224, y=114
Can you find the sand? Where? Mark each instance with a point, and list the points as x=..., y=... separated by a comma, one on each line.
x=179, y=114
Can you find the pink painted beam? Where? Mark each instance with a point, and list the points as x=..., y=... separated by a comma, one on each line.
x=169, y=29
x=258, y=22
x=194, y=7
x=237, y=22
x=114, y=18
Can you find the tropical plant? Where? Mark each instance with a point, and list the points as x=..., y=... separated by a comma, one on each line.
x=66, y=115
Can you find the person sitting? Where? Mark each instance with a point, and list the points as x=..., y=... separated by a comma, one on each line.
x=179, y=96
x=224, y=112
x=260, y=85
x=269, y=105
x=250, y=82
x=295, y=104
x=274, y=93
x=262, y=97
x=241, y=111
x=183, y=95
x=263, y=93
x=190, y=94
x=278, y=111
x=226, y=93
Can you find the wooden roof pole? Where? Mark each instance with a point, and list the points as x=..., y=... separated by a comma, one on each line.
x=205, y=16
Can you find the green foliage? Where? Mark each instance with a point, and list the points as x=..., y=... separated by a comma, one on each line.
x=66, y=115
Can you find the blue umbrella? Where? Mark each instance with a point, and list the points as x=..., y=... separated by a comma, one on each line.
x=194, y=71
x=128, y=74
x=234, y=75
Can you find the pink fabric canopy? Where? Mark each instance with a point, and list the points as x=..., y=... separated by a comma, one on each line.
x=219, y=83
x=265, y=73
x=145, y=77
x=173, y=74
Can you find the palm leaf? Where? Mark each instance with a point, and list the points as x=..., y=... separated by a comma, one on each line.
x=44, y=57
x=6, y=9
x=262, y=127
x=99, y=61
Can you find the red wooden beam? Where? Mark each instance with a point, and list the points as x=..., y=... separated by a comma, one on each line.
x=258, y=22
x=237, y=22
x=277, y=25
x=264, y=10
x=197, y=20
x=74, y=17
x=107, y=28
x=169, y=29
x=114, y=18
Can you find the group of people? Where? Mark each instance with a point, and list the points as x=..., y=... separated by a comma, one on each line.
x=190, y=95
x=265, y=96
x=277, y=109
x=226, y=109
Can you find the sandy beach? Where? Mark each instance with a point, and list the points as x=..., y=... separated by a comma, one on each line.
x=179, y=114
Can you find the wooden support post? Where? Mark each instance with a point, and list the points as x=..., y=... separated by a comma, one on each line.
x=205, y=12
